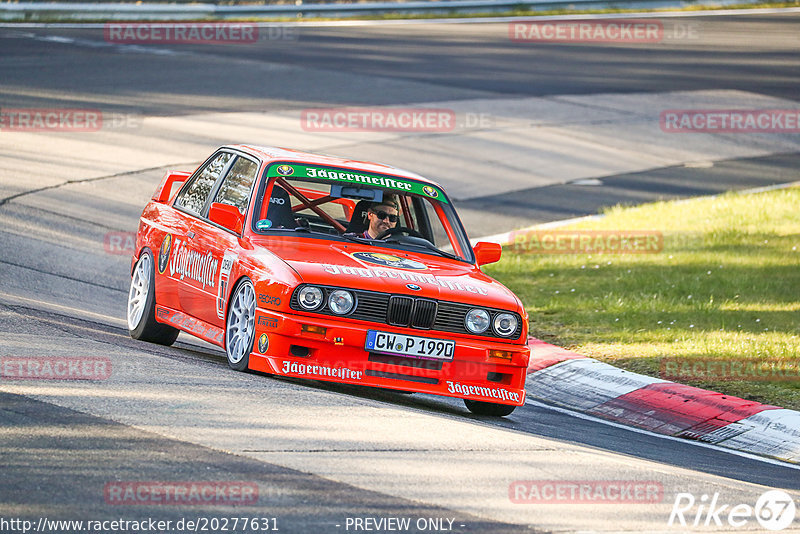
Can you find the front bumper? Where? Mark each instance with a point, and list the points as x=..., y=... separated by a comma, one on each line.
x=285, y=345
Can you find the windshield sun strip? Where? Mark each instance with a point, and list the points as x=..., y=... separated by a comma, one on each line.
x=351, y=176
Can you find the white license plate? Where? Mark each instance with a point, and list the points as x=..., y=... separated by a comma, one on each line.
x=413, y=346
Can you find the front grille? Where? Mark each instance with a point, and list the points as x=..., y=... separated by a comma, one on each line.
x=402, y=310
x=407, y=311
x=451, y=317
x=424, y=313
x=370, y=306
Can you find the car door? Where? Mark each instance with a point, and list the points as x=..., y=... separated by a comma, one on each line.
x=172, y=224
x=187, y=268
x=217, y=247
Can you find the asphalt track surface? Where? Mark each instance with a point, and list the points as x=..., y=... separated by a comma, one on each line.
x=417, y=456
x=390, y=64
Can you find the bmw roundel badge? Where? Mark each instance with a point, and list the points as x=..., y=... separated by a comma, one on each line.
x=413, y=287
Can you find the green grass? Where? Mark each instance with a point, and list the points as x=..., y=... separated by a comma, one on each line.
x=725, y=286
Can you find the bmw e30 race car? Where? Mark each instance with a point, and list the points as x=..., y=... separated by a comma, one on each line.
x=262, y=251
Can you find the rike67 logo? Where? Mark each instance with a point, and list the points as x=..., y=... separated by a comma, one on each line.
x=774, y=510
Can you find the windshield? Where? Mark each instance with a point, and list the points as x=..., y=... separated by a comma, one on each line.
x=341, y=204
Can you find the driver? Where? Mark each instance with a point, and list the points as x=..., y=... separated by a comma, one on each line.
x=381, y=216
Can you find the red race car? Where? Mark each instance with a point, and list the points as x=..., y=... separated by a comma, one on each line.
x=331, y=269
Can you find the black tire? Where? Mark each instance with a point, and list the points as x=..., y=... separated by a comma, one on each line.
x=240, y=325
x=143, y=326
x=488, y=408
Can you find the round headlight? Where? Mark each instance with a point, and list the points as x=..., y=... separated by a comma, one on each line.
x=477, y=321
x=505, y=324
x=310, y=297
x=340, y=301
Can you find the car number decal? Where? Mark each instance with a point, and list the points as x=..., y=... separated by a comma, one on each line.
x=224, y=275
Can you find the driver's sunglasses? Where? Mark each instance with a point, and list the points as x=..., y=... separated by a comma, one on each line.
x=383, y=215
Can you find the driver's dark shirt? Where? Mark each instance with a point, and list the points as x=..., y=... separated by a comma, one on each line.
x=366, y=235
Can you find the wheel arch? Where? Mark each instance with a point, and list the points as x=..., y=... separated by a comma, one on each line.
x=234, y=286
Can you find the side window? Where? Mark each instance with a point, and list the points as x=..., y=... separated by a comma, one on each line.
x=235, y=188
x=195, y=193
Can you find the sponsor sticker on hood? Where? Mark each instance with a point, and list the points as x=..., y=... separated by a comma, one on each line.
x=389, y=260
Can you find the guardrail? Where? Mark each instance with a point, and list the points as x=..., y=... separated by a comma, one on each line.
x=37, y=11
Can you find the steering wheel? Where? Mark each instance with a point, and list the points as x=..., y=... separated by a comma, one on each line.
x=400, y=230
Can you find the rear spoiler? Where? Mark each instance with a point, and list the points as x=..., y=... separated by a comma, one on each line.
x=164, y=191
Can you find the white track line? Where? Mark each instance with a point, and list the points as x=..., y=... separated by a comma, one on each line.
x=702, y=444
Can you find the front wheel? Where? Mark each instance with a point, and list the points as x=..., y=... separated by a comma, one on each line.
x=142, y=323
x=240, y=326
x=488, y=408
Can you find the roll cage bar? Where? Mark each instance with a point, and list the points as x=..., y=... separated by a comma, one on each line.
x=307, y=203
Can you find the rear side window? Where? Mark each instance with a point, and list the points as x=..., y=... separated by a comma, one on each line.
x=235, y=187
x=194, y=195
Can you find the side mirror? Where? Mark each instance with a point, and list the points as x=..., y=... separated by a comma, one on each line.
x=164, y=191
x=486, y=253
x=227, y=216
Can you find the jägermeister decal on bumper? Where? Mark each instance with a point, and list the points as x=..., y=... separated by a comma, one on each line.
x=356, y=177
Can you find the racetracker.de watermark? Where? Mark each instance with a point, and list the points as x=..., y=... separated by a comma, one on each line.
x=585, y=492
x=119, y=243
x=378, y=119
x=232, y=523
x=194, y=33
x=677, y=370
x=55, y=367
x=629, y=31
x=730, y=121
x=586, y=242
x=590, y=31
x=183, y=493
x=64, y=120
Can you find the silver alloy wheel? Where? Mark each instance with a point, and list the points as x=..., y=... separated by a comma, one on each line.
x=140, y=288
x=240, y=329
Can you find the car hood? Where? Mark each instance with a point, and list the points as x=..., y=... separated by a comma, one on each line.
x=389, y=270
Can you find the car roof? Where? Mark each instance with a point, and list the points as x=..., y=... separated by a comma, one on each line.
x=269, y=154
